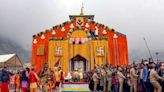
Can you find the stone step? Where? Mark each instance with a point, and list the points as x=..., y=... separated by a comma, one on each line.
x=75, y=87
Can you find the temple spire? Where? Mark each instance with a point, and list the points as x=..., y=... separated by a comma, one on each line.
x=82, y=9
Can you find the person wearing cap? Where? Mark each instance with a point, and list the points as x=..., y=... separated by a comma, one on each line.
x=102, y=80
x=133, y=78
x=109, y=78
x=121, y=78
x=154, y=77
x=96, y=79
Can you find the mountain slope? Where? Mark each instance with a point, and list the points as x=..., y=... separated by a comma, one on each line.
x=8, y=46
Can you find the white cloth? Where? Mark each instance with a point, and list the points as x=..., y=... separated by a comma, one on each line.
x=141, y=74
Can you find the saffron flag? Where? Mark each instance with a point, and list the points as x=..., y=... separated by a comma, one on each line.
x=57, y=63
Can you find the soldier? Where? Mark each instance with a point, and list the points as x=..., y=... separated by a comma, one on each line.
x=154, y=77
x=96, y=79
x=109, y=79
x=103, y=80
x=121, y=78
x=133, y=78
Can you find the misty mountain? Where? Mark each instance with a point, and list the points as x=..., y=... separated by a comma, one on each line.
x=7, y=46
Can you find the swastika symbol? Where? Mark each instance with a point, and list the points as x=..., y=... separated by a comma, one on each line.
x=58, y=50
x=100, y=50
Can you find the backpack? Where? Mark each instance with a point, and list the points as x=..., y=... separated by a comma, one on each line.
x=0, y=75
x=24, y=77
x=5, y=76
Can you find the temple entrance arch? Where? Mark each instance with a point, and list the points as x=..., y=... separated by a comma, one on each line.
x=78, y=63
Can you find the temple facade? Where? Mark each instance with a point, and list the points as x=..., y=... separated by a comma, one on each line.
x=79, y=44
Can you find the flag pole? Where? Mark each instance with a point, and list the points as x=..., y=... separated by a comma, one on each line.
x=148, y=48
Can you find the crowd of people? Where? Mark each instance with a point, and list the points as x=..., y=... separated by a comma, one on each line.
x=24, y=81
x=28, y=80
x=144, y=77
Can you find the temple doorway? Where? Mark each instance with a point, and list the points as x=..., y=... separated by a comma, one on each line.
x=78, y=63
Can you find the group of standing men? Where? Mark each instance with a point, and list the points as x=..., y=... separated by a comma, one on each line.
x=132, y=78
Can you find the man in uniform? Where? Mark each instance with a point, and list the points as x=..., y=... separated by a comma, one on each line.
x=133, y=78
x=96, y=79
x=121, y=78
x=154, y=77
x=109, y=78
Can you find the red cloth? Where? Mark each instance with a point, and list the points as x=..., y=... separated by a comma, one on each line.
x=62, y=76
x=57, y=63
x=114, y=80
x=57, y=84
x=32, y=77
x=5, y=87
x=24, y=89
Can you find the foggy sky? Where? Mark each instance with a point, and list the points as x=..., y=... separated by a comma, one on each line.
x=20, y=19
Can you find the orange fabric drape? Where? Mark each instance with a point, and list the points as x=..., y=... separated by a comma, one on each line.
x=38, y=61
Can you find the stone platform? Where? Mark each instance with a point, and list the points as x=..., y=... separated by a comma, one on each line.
x=75, y=87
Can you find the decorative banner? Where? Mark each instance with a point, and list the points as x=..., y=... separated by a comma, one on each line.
x=71, y=26
x=58, y=51
x=58, y=48
x=40, y=50
x=79, y=21
x=53, y=32
x=115, y=36
x=35, y=41
x=87, y=25
x=104, y=32
x=100, y=50
x=63, y=29
x=42, y=37
x=78, y=40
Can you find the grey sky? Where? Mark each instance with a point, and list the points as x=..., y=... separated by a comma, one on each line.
x=20, y=19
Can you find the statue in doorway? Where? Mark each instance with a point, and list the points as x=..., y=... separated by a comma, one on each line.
x=76, y=76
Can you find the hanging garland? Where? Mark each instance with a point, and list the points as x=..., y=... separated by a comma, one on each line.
x=77, y=28
x=58, y=38
x=52, y=30
x=79, y=40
